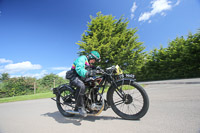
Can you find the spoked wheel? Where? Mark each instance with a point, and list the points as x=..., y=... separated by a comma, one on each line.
x=130, y=101
x=65, y=102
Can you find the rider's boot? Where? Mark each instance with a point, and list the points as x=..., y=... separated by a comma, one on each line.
x=82, y=111
x=81, y=107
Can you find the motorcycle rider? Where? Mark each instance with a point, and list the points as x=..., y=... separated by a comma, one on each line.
x=81, y=72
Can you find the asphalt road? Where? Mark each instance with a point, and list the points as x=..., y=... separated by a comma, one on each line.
x=174, y=107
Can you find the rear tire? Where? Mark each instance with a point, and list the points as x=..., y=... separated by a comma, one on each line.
x=65, y=101
x=135, y=103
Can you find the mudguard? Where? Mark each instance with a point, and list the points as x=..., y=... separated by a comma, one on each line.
x=56, y=90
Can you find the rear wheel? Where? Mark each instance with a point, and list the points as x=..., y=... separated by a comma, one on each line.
x=130, y=101
x=65, y=102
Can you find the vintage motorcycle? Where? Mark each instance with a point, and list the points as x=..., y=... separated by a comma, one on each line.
x=126, y=97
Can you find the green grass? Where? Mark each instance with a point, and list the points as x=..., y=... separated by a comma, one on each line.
x=27, y=97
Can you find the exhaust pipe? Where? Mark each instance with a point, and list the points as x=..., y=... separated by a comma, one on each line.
x=73, y=112
x=77, y=113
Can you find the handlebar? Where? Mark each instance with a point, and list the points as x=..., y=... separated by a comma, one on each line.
x=107, y=71
x=101, y=71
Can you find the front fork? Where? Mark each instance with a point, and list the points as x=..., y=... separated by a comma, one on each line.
x=120, y=92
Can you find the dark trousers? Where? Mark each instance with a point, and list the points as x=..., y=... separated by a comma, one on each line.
x=81, y=87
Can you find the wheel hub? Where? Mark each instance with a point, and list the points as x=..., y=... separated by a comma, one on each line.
x=128, y=99
x=67, y=100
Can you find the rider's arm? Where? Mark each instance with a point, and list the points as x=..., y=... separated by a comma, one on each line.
x=80, y=66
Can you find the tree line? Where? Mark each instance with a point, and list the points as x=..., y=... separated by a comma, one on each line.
x=181, y=59
x=25, y=85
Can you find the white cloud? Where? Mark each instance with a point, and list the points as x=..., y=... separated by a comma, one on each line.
x=60, y=68
x=25, y=69
x=2, y=60
x=37, y=75
x=158, y=6
x=145, y=16
x=163, y=14
x=20, y=67
x=62, y=74
x=177, y=3
x=149, y=21
x=34, y=75
x=133, y=8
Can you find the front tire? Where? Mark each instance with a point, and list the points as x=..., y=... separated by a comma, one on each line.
x=130, y=102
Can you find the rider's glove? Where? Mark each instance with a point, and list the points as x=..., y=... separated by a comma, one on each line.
x=98, y=68
x=99, y=71
x=91, y=73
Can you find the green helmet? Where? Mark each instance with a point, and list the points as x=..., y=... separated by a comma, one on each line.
x=94, y=55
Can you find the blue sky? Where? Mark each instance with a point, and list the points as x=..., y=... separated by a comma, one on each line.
x=39, y=37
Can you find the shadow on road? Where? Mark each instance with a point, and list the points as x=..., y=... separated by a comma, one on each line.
x=76, y=120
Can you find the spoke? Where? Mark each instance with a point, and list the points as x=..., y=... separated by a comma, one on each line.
x=123, y=107
x=116, y=97
x=134, y=92
x=135, y=108
x=138, y=107
x=119, y=102
x=140, y=101
x=137, y=97
x=130, y=110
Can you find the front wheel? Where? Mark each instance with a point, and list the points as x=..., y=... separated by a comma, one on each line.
x=130, y=101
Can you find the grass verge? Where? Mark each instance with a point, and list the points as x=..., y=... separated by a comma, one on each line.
x=27, y=97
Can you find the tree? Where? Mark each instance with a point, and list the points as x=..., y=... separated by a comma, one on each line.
x=4, y=77
x=18, y=86
x=116, y=43
x=49, y=80
x=181, y=59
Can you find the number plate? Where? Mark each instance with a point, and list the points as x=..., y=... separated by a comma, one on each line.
x=126, y=76
x=129, y=76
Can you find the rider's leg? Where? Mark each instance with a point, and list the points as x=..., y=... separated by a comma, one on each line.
x=80, y=99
